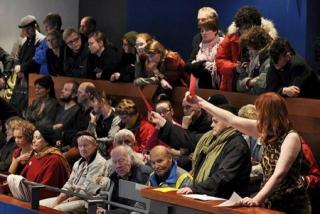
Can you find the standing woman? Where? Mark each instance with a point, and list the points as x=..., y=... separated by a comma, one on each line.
x=54, y=53
x=282, y=185
x=203, y=63
x=163, y=67
x=128, y=58
x=104, y=58
x=142, y=40
x=43, y=109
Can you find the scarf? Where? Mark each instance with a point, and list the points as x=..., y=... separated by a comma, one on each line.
x=55, y=151
x=209, y=147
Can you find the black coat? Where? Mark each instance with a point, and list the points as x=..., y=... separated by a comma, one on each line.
x=108, y=63
x=296, y=72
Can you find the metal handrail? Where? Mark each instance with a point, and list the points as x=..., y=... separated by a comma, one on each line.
x=92, y=201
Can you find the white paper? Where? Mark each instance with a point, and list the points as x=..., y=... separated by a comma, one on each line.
x=202, y=197
x=234, y=200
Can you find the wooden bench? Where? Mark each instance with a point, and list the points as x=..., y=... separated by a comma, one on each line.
x=305, y=113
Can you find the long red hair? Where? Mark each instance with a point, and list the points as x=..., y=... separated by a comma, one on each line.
x=273, y=119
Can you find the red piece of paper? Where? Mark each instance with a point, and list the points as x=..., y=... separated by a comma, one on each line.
x=192, y=86
x=145, y=101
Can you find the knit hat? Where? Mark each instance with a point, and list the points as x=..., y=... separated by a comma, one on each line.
x=27, y=21
x=218, y=99
x=48, y=135
x=131, y=37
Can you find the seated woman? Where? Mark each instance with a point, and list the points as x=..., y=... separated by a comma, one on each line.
x=89, y=166
x=104, y=58
x=43, y=109
x=46, y=166
x=104, y=122
x=202, y=63
x=282, y=185
x=54, y=53
x=162, y=67
x=128, y=59
x=252, y=78
x=9, y=144
x=23, y=135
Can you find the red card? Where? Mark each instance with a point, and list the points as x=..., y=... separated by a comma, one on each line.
x=192, y=86
x=145, y=101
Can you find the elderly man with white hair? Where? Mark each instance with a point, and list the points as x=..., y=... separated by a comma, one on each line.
x=125, y=168
x=89, y=166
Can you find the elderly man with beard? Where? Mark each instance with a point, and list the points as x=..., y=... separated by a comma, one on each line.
x=221, y=158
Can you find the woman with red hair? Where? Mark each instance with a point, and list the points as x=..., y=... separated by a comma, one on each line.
x=282, y=186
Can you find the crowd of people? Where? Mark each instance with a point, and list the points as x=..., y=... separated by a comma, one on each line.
x=85, y=141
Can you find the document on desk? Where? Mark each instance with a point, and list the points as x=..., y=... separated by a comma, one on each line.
x=234, y=200
x=202, y=197
x=165, y=189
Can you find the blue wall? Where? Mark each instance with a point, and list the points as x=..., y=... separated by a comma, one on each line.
x=173, y=22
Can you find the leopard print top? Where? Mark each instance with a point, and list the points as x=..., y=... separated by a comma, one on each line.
x=291, y=188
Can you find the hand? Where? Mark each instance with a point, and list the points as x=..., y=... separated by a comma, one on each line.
x=2, y=83
x=17, y=69
x=291, y=91
x=58, y=143
x=187, y=120
x=194, y=101
x=57, y=126
x=165, y=84
x=98, y=75
x=249, y=202
x=115, y=76
x=139, y=82
x=184, y=190
x=241, y=66
x=252, y=82
x=151, y=67
x=157, y=119
x=101, y=211
x=93, y=117
x=23, y=158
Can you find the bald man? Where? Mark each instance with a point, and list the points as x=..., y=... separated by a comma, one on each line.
x=166, y=172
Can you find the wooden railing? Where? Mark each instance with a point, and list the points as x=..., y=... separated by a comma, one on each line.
x=305, y=113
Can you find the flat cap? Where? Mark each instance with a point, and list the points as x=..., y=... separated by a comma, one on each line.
x=27, y=21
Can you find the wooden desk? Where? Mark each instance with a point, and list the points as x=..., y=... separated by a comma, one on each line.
x=171, y=202
x=14, y=203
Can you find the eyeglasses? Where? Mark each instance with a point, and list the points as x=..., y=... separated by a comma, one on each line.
x=71, y=42
x=140, y=44
x=163, y=111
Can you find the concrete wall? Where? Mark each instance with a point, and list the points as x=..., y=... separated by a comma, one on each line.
x=11, y=12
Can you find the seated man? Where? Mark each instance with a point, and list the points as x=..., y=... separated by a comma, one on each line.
x=81, y=180
x=289, y=75
x=127, y=169
x=221, y=159
x=195, y=120
x=166, y=171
